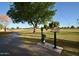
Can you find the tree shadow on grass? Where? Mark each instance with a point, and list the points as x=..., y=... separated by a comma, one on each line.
x=32, y=40
x=70, y=47
x=62, y=42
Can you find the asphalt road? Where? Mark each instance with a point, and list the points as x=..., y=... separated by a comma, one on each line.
x=11, y=45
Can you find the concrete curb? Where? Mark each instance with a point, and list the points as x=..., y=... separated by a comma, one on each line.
x=50, y=47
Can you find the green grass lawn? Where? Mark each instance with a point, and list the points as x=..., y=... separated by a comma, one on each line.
x=66, y=38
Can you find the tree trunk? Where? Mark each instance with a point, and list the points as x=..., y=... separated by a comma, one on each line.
x=35, y=26
x=34, y=30
x=5, y=29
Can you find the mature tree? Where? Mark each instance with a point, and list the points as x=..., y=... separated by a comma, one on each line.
x=17, y=28
x=31, y=12
x=4, y=20
x=72, y=26
x=54, y=24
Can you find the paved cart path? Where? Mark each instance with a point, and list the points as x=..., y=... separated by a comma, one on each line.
x=12, y=45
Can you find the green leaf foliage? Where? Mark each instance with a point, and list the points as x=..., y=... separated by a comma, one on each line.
x=34, y=13
x=54, y=24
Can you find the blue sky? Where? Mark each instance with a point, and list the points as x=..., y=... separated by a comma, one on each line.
x=67, y=13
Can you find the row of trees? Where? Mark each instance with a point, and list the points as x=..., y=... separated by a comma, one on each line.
x=71, y=27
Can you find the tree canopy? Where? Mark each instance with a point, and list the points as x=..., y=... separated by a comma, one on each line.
x=31, y=12
x=54, y=24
